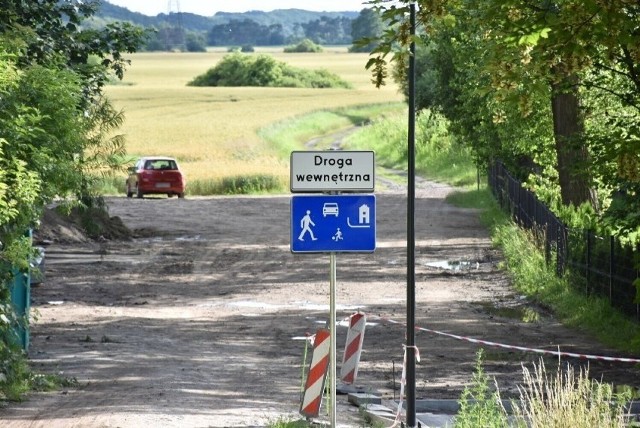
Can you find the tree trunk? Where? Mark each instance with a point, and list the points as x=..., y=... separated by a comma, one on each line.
x=571, y=152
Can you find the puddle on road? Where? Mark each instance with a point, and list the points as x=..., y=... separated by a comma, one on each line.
x=522, y=313
x=317, y=307
x=294, y=305
x=253, y=304
x=453, y=265
x=157, y=239
x=189, y=238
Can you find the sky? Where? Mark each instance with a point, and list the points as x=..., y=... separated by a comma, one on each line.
x=210, y=7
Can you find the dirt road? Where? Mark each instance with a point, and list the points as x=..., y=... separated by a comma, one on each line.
x=194, y=323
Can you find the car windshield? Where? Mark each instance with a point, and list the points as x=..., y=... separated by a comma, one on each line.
x=162, y=164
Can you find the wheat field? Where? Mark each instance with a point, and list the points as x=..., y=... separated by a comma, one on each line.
x=214, y=131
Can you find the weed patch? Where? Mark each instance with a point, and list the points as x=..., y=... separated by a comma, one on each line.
x=480, y=406
x=567, y=399
x=250, y=184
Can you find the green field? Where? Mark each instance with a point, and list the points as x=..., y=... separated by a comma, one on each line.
x=214, y=132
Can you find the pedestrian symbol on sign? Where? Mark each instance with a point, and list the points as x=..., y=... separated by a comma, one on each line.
x=306, y=224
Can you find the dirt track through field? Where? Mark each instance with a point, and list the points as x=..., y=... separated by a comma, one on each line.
x=194, y=322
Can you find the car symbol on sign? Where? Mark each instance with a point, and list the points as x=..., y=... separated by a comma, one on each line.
x=330, y=208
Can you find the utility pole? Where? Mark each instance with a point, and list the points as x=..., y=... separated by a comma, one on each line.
x=411, y=240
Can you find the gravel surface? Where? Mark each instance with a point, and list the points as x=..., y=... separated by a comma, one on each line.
x=196, y=321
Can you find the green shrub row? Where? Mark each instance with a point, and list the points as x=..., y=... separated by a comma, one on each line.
x=262, y=70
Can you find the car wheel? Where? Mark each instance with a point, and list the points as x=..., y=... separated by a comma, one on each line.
x=181, y=195
x=170, y=195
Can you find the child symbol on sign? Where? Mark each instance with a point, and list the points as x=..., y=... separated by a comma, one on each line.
x=338, y=236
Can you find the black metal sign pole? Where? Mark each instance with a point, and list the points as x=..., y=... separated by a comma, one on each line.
x=332, y=338
x=411, y=241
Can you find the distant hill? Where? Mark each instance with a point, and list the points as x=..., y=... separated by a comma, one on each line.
x=289, y=19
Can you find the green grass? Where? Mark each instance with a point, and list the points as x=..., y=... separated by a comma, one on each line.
x=441, y=159
x=284, y=422
x=547, y=400
x=231, y=185
x=475, y=198
x=289, y=135
x=18, y=379
x=438, y=155
x=243, y=184
x=532, y=276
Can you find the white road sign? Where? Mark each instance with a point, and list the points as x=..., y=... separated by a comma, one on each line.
x=332, y=171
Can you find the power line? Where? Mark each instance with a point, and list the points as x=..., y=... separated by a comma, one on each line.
x=174, y=34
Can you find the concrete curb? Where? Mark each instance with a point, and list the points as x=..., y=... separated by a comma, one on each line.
x=431, y=413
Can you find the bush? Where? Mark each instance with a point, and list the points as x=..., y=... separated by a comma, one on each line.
x=243, y=49
x=237, y=69
x=229, y=72
x=479, y=406
x=305, y=46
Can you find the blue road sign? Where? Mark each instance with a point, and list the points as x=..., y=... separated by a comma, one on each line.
x=333, y=223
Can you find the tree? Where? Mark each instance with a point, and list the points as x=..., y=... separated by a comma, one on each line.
x=527, y=52
x=55, y=125
x=196, y=43
x=328, y=30
x=546, y=32
x=365, y=29
x=49, y=33
x=245, y=32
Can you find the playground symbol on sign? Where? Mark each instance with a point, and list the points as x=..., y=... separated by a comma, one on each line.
x=333, y=223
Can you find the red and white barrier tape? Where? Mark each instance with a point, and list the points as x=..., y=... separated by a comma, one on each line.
x=522, y=348
x=403, y=382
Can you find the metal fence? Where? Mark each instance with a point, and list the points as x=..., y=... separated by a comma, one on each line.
x=598, y=265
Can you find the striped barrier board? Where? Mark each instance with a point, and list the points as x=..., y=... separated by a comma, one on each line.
x=314, y=386
x=353, y=348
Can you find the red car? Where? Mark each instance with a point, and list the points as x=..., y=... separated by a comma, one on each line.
x=155, y=175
